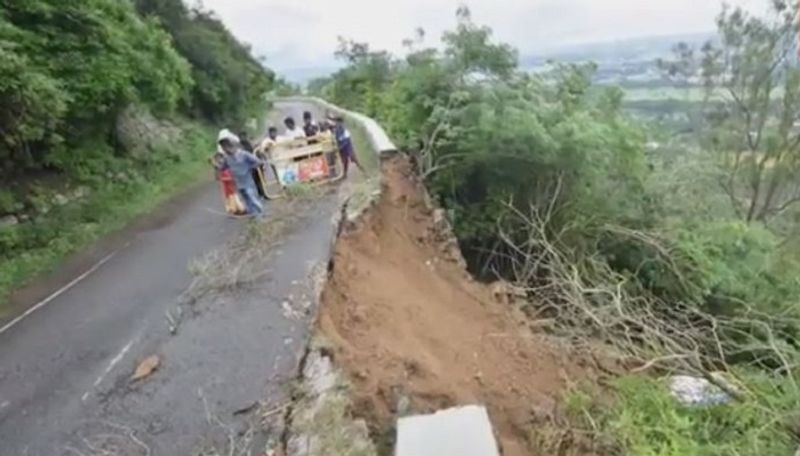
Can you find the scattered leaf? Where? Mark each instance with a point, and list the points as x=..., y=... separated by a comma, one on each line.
x=146, y=368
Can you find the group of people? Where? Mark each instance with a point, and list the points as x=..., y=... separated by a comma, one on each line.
x=239, y=163
x=333, y=124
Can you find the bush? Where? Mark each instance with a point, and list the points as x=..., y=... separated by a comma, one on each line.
x=35, y=247
x=75, y=66
x=230, y=84
x=8, y=202
x=68, y=70
x=88, y=163
x=736, y=264
x=642, y=418
x=9, y=238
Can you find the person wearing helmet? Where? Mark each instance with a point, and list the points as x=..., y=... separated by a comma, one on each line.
x=241, y=165
x=230, y=194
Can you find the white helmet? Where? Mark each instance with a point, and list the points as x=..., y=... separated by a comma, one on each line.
x=227, y=134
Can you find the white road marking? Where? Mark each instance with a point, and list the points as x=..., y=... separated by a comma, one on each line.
x=114, y=362
x=85, y=396
x=58, y=293
x=4, y=405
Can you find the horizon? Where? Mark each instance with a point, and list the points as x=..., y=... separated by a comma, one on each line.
x=302, y=75
x=302, y=36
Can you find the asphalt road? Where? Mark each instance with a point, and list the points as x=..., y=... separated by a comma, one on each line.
x=65, y=369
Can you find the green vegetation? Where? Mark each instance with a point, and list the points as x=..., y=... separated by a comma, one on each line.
x=105, y=106
x=69, y=70
x=30, y=248
x=229, y=84
x=675, y=257
x=646, y=420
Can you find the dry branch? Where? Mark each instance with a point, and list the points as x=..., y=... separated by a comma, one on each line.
x=587, y=300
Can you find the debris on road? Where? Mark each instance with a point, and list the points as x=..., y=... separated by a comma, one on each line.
x=246, y=409
x=146, y=368
x=172, y=321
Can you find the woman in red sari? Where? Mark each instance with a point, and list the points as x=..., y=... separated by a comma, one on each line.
x=230, y=194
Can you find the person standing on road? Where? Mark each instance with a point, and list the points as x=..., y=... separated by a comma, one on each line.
x=272, y=134
x=264, y=152
x=345, y=142
x=247, y=146
x=233, y=203
x=245, y=142
x=309, y=126
x=241, y=164
x=269, y=142
x=292, y=130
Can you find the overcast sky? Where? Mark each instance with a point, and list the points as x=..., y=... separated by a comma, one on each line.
x=302, y=33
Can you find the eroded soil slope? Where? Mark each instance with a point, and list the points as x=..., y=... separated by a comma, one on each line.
x=415, y=333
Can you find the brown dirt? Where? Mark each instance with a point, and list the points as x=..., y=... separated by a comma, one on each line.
x=406, y=320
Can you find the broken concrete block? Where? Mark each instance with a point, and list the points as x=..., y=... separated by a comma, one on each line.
x=463, y=431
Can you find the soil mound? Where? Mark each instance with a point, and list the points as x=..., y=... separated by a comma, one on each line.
x=415, y=333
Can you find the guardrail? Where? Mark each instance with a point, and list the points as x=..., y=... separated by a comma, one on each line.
x=378, y=139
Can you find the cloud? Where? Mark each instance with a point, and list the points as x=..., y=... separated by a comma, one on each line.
x=294, y=34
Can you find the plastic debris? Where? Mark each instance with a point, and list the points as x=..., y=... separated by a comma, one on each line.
x=697, y=391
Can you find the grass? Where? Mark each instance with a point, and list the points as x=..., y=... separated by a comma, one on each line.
x=38, y=247
x=639, y=416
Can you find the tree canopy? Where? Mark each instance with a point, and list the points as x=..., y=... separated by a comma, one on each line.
x=229, y=81
x=68, y=69
x=748, y=120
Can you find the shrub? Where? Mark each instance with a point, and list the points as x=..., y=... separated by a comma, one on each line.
x=642, y=418
x=8, y=202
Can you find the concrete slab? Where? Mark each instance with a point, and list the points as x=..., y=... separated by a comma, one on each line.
x=463, y=431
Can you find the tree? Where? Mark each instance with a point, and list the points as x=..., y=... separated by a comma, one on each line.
x=229, y=82
x=69, y=68
x=33, y=103
x=751, y=86
x=285, y=88
x=470, y=49
x=361, y=83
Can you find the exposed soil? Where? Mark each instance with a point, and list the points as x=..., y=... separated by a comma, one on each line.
x=411, y=328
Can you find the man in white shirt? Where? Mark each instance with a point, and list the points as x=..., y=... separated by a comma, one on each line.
x=292, y=130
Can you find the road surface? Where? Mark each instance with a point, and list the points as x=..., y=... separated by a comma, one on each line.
x=65, y=368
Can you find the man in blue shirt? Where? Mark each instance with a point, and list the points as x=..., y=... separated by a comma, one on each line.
x=345, y=142
x=241, y=164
